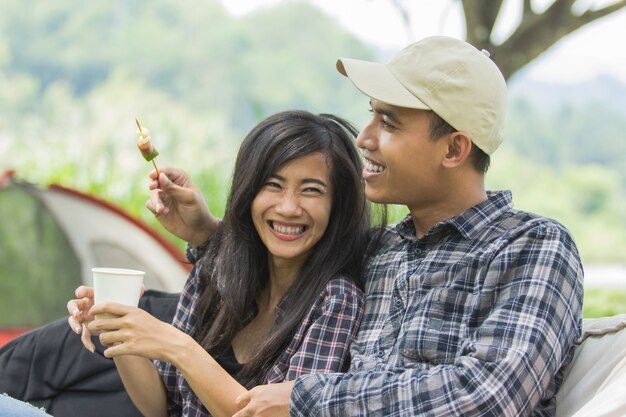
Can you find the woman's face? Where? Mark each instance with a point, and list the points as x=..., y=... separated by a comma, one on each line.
x=292, y=209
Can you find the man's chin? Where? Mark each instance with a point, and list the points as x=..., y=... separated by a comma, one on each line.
x=376, y=197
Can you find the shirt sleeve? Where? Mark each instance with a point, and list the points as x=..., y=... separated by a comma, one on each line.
x=194, y=254
x=327, y=332
x=184, y=320
x=525, y=335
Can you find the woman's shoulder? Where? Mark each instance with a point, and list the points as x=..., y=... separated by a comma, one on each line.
x=342, y=286
x=340, y=297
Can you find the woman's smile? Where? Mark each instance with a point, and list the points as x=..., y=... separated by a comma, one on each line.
x=287, y=231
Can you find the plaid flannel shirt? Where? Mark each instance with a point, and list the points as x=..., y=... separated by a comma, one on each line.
x=320, y=344
x=478, y=317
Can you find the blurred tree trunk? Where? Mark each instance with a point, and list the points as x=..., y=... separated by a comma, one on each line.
x=535, y=33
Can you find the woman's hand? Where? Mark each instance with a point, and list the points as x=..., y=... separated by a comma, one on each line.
x=133, y=331
x=179, y=206
x=79, y=315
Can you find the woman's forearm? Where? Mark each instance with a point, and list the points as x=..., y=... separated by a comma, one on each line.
x=143, y=384
x=211, y=383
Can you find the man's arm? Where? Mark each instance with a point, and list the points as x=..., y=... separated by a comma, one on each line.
x=507, y=363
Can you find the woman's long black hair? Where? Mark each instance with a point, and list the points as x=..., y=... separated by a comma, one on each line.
x=234, y=269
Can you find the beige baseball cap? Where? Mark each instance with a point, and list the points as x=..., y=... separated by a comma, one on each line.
x=443, y=74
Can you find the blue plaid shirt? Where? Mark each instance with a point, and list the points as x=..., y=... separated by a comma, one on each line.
x=477, y=317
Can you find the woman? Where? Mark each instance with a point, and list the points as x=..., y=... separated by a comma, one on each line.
x=275, y=293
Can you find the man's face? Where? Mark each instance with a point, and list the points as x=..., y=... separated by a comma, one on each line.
x=402, y=163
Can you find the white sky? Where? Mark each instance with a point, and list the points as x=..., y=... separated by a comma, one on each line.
x=599, y=47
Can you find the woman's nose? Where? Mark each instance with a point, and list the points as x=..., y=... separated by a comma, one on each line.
x=289, y=205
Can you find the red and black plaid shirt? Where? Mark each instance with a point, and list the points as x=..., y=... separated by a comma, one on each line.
x=320, y=344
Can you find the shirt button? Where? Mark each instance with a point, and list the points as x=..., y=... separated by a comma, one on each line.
x=399, y=303
x=381, y=353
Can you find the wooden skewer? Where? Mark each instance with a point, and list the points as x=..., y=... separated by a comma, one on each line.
x=139, y=126
x=157, y=171
x=153, y=163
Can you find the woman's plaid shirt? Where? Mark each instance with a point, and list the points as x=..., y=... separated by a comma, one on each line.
x=320, y=344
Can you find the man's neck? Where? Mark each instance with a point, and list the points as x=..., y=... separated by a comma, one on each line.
x=451, y=206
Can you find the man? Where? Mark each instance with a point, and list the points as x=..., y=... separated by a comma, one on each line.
x=473, y=307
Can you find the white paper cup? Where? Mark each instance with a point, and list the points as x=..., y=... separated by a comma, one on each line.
x=122, y=286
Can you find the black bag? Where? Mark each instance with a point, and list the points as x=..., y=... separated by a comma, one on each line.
x=49, y=367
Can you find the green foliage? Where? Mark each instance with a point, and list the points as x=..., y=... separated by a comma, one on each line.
x=604, y=302
x=587, y=199
x=586, y=133
x=36, y=262
x=243, y=68
x=73, y=79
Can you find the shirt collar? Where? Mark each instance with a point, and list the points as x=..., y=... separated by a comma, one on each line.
x=470, y=221
x=280, y=311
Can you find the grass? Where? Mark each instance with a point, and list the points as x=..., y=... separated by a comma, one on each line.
x=604, y=302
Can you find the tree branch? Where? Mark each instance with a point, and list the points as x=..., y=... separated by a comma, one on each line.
x=480, y=18
x=527, y=9
x=591, y=15
x=538, y=32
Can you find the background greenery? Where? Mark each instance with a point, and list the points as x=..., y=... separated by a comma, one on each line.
x=73, y=75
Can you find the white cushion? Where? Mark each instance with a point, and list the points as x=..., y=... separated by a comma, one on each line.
x=595, y=381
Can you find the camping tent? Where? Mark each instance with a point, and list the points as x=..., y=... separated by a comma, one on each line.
x=50, y=238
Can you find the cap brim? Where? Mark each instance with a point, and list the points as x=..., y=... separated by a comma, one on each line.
x=376, y=81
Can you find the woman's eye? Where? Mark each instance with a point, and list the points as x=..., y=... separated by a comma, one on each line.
x=313, y=190
x=272, y=184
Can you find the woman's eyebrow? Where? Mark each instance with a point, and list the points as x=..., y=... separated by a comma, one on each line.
x=302, y=181
x=313, y=180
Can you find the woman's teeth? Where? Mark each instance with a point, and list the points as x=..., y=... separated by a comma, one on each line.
x=288, y=230
x=372, y=167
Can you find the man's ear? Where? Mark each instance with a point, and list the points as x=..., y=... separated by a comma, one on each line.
x=459, y=147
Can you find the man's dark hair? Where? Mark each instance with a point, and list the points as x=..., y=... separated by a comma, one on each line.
x=439, y=127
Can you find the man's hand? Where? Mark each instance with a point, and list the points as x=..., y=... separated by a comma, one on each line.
x=179, y=206
x=266, y=400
